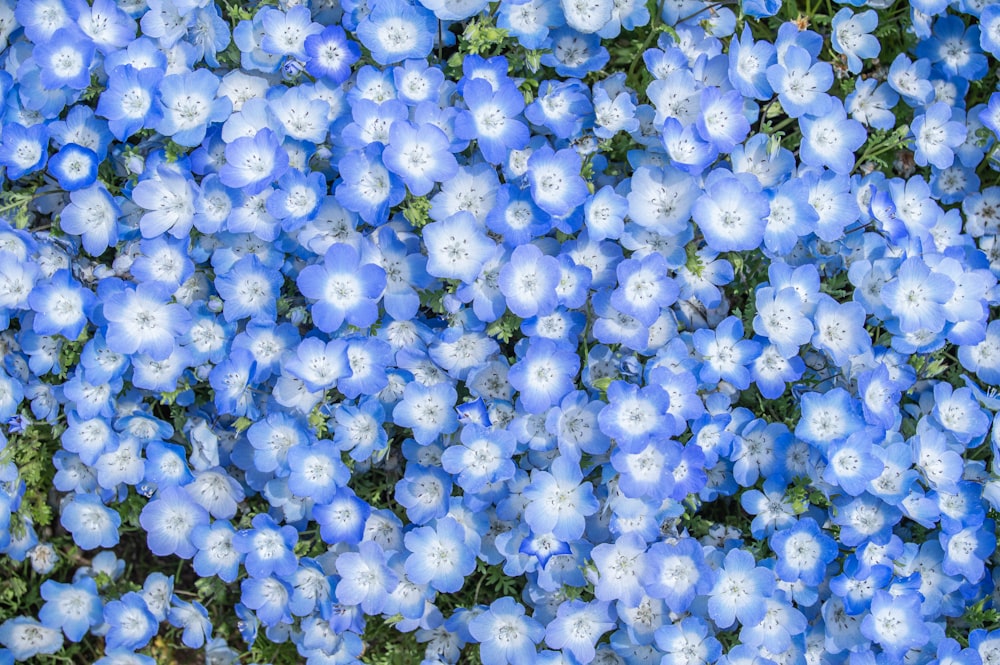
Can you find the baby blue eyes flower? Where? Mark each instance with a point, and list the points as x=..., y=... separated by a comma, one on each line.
x=556, y=184
x=132, y=625
x=75, y=167
x=740, y=590
x=419, y=155
x=529, y=282
x=330, y=54
x=65, y=59
x=831, y=140
x=730, y=215
x=216, y=554
x=851, y=37
x=26, y=638
x=506, y=635
x=365, y=579
x=456, y=248
x=492, y=119
x=168, y=199
x=92, y=523
x=800, y=83
x=169, y=521
x=74, y=609
x=575, y=54
x=936, y=136
x=894, y=623
x=482, y=457
x=558, y=502
x=343, y=289
x=428, y=410
x=395, y=30
x=577, y=627
x=267, y=548
x=24, y=150
x=141, y=320
x=253, y=163
x=438, y=556
x=188, y=103
x=368, y=187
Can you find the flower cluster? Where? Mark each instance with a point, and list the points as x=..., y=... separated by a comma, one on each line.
x=538, y=331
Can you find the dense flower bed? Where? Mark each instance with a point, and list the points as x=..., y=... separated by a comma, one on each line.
x=530, y=331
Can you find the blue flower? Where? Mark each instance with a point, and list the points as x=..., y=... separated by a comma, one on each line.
x=936, y=136
x=492, y=119
x=505, y=634
x=721, y=121
x=955, y=48
x=456, y=248
x=851, y=36
x=169, y=520
x=269, y=598
x=73, y=608
x=894, y=623
x=559, y=500
x=750, y=65
x=544, y=375
x=556, y=184
x=483, y=457
x=285, y=33
x=438, y=556
x=330, y=54
x=685, y=640
x=800, y=83
x=343, y=518
x=365, y=578
x=268, y=548
x=740, y=590
x=168, y=196
x=395, y=30
x=24, y=149
x=966, y=551
x=26, y=638
x=193, y=619
x=367, y=186
x=216, y=554
x=831, y=139
x=661, y=199
x=528, y=282
x=424, y=492
x=911, y=79
x=316, y=472
x=140, y=320
x=74, y=167
x=577, y=627
x=254, y=162
x=562, y=107
x=92, y=523
x=419, y=155
x=131, y=624
x=188, y=103
x=575, y=54
x=343, y=288
x=127, y=101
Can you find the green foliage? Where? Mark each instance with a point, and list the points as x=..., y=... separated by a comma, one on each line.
x=32, y=452
x=384, y=645
x=14, y=206
x=504, y=328
x=881, y=144
x=975, y=617
x=480, y=37
x=416, y=210
x=802, y=495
